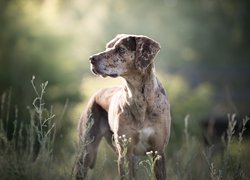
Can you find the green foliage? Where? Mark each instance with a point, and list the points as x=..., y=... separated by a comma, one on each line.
x=149, y=163
x=30, y=45
x=183, y=98
x=192, y=160
x=45, y=128
x=29, y=153
x=123, y=143
x=195, y=161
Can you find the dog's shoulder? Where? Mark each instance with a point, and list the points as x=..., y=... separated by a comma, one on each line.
x=104, y=95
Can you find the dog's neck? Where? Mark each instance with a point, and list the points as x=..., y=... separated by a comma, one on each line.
x=140, y=83
x=140, y=90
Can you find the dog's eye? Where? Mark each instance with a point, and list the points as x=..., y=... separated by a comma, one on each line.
x=120, y=50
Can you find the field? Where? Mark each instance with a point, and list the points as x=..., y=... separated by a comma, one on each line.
x=28, y=149
x=203, y=64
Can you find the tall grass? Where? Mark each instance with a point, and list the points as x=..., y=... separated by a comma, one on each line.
x=149, y=163
x=193, y=159
x=27, y=147
x=231, y=164
x=223, y=161
x=28, y=152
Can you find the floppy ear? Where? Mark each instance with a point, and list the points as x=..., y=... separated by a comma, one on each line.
x=111, y=43
x=146, y=50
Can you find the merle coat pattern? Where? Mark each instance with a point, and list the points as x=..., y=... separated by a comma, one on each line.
x=139, y=109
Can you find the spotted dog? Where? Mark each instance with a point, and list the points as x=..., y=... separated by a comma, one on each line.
x=139, y=110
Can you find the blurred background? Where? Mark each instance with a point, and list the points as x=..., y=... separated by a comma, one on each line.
x=204, y=62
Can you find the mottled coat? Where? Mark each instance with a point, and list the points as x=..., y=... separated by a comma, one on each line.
x=139, y=110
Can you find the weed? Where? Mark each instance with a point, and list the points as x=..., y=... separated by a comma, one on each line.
x=123, y=142
x=149, y=163
x=26, y=149
x=28, y=154
x=41, y=120
x=82, y=151
x=231, y=166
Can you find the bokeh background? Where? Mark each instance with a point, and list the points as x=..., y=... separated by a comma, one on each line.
x=204, y=62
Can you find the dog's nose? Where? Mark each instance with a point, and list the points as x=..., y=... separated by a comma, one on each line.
x=92, y=59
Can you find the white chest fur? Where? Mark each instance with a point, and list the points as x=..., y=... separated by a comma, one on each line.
x=143, y=145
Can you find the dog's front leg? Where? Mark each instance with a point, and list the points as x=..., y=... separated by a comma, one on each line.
x=131, y=168
x=160, y=168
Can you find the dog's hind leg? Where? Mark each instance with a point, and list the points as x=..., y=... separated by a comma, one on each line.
x=92, y=128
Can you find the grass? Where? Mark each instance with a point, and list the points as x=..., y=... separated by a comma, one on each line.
x=149, y=163
x=193, y=160
x=27, y=149
x=28, y=153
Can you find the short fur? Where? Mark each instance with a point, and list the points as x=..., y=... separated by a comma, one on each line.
x=139, y=109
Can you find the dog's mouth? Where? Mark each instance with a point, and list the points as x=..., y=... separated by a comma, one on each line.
x=100, y=69
x=98, y=72
x=93, y=70
x=113, y=75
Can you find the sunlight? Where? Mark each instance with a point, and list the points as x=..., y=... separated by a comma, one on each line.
x=203, y=65
x=49, y=10
x=88, y=90
x=93, y=21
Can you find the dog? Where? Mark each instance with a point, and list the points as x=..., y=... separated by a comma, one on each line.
x=139, y=111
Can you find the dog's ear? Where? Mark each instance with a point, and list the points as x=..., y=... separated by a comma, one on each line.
x=146, y=50
x=129, y=42
x=111, y=43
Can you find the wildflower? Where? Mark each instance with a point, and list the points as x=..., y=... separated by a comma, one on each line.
x=149, y=152
x=157, y=157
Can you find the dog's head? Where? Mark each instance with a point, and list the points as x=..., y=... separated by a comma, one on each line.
x=124, y=55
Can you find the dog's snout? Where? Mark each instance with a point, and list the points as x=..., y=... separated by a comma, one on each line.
x=92, y=59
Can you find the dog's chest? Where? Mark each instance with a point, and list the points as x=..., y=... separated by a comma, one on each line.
x=143, y=145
